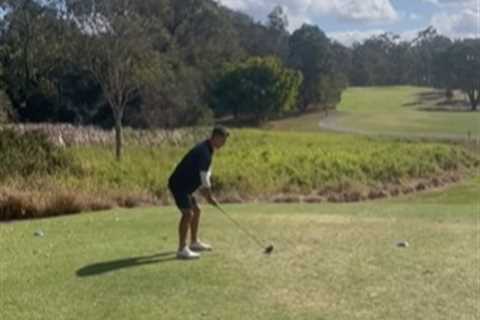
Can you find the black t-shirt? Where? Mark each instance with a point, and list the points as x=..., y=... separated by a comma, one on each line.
x=186, y=176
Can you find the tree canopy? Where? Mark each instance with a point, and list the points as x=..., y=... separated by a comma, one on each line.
x=158, y=63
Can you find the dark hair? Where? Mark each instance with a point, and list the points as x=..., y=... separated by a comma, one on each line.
x=220, y=131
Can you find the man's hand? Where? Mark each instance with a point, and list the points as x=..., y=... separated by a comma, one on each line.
x=207, y=193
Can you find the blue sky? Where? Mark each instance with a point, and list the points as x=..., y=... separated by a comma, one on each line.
x=355, y=20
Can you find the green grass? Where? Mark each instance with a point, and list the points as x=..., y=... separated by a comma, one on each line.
x=301, y=123
x=254, y=165
x=398, y=111
x=288, y=162
x=331, y=261
x=464, y=193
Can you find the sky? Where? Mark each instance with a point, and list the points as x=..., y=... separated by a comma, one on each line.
x=355, y=20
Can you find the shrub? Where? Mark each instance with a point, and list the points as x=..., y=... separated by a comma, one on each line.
x=29, y=154
x=449, y=94
x=258, y=88
x=6, y=111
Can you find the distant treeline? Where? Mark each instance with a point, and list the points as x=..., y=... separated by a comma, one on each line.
x=170, y=63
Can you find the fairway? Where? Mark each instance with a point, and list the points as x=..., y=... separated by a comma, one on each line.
x=404, y=110
x=331, y=261
x=401, y=111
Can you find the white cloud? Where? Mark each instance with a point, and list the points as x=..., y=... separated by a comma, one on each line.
x=348, y=38
x=457, y=3
x=453, y=18
x=367, y=10
x=301, y=11
x=463, y=24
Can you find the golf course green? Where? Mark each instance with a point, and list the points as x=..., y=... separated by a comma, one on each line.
x=402, y=111
x=332, y=261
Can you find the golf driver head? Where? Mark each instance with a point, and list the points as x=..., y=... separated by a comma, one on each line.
x=269, y=249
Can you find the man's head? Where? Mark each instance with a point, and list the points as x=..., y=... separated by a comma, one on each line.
x=219, y=137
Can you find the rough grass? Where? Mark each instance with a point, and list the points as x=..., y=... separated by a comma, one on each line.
x=256, y=162
x=255, y=165
x=330, y=261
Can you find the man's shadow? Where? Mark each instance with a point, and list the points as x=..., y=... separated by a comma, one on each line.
x=110, y=266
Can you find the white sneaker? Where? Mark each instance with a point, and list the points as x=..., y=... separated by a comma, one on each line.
x=187, y=254
x=200, y=246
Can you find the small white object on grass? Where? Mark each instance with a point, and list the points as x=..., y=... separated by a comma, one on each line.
x=402, y=244
x=39, y=233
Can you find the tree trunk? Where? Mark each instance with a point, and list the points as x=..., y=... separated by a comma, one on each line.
x=118, y=137
x=474, y=99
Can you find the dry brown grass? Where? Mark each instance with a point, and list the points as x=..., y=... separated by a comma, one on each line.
x=17, y=205
x=349, y=192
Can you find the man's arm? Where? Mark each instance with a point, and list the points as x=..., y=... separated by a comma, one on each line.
x=207, y=193
x=206, y=188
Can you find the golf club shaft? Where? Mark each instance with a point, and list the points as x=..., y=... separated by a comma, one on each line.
x=240, y=226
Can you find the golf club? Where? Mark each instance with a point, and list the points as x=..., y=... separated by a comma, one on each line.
x=268, y=250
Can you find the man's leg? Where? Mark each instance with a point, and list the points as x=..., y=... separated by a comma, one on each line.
x=195, y=222
x=196, y=244
x=184, y=205
x=183, y=226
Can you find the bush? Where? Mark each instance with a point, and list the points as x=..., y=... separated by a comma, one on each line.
x=6, y=112
x=29, y=154
x=259, y=164
x=449, y=94
x=253, y=165
x=259, y=88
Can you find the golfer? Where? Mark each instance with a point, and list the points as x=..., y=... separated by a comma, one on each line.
x=192, y=174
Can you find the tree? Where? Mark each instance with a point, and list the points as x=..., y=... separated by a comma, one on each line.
x=311, y=54
x=117, y=52
x=262, y=40
x=33, y=56
x=372, y=60
x=425, y=46
x=276, y=40
x=193, y=39
x=342, y=58
x=259, y=87
x=277, y=19
x=459, y=68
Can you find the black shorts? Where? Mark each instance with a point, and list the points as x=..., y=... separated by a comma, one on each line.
x=184, y=201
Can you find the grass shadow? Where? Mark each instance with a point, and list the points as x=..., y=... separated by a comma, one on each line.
x=423, y=98
x=411, y=104
x=430, y=95
x=448, y=106
x=114, y=265
x=435, y=101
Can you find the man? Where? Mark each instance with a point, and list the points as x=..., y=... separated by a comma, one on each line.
x=193, y=173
